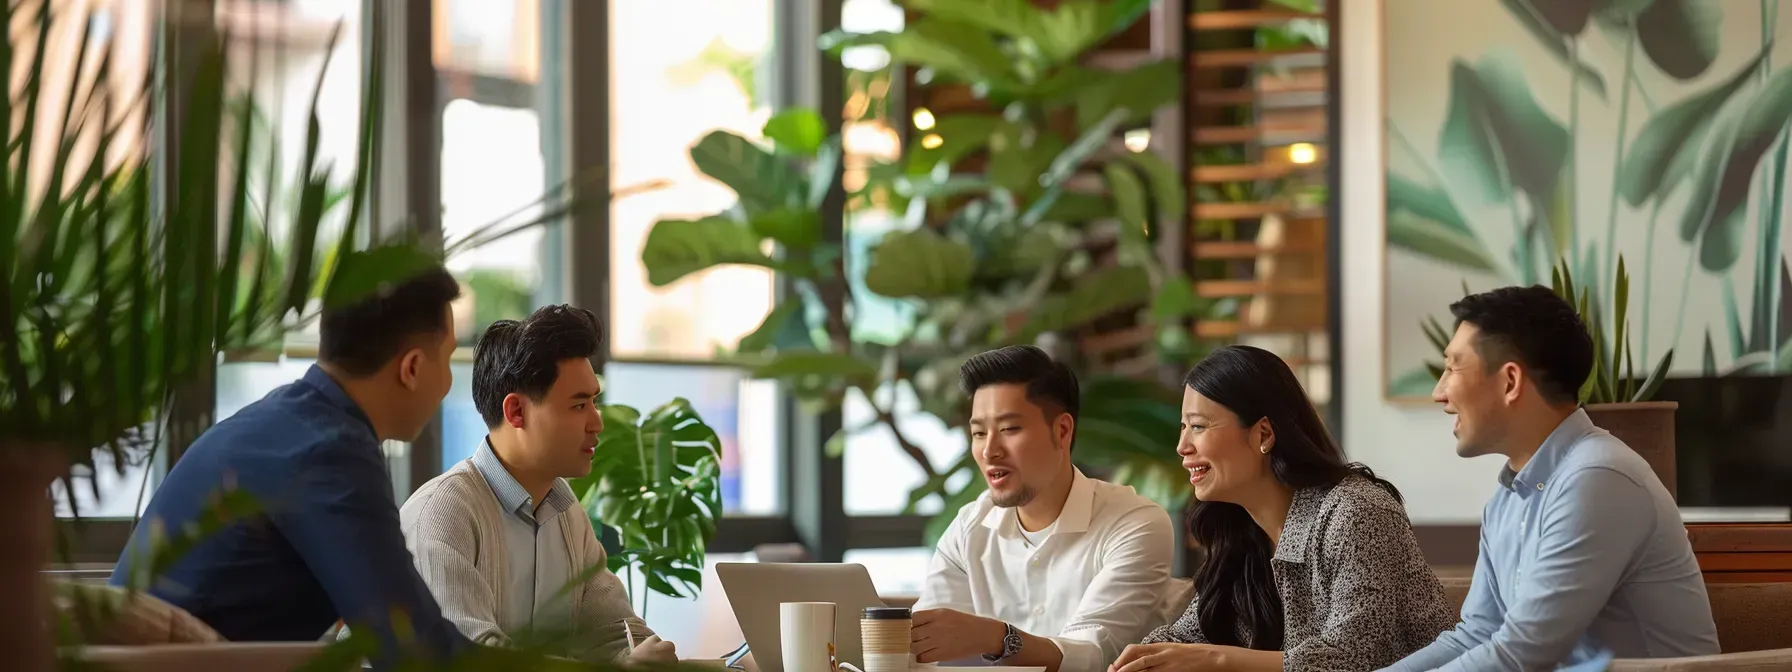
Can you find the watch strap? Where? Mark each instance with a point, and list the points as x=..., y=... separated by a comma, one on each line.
x=1011, y=642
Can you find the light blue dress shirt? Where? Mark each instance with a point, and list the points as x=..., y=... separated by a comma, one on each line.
x=539, y=562
x=1581, y=551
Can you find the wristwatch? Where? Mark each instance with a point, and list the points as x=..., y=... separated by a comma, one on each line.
x=1010, y=645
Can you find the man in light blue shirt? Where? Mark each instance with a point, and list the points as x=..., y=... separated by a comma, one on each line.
x=1582, y=548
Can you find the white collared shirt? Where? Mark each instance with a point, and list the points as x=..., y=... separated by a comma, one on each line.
x=1095, y=584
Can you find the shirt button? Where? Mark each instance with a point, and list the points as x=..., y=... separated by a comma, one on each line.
x=1539, y=487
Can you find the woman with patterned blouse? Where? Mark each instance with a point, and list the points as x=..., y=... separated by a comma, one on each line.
x=1311, y=562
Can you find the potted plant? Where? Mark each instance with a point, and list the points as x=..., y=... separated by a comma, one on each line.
x=120, y=289
x=1615, y=399
x=1051, y=231
x=656, y=480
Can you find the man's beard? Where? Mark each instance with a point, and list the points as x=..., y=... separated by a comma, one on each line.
x=1017, y=498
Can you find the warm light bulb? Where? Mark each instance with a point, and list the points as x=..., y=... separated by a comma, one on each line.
x=1138, y=140
x=923, y=118
x=1303, y=152
x=932, y=141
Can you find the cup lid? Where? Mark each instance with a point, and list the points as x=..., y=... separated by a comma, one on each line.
x=886, y=613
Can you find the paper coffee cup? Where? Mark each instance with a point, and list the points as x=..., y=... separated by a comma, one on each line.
x=884, y=636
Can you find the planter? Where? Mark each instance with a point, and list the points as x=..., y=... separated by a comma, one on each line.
x=26, y=530
x=1647, y=427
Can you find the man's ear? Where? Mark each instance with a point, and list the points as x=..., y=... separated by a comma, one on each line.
x=410, y=365
x=1512, y=380
x=1064, y=429
x=513, y=410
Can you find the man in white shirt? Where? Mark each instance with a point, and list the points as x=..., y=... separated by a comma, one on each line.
x=500, y=538
x=1048, y=567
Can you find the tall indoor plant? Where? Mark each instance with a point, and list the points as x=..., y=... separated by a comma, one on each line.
x=1005, y=239
x=129, y=268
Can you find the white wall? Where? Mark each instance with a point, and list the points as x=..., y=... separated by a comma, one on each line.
x=1407, y=443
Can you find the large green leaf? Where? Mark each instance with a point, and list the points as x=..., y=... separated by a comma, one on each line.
x=784, y=328
x=919, y=264
x=1681, y=36
x=1496, y=137
x=1057, y=35
x=798, y=131
x=676, y=248
x=1166, y=185
x=811, y=364
x=796, y=229
x=1717, y=212
x=762, y=180
x=361, y=273
x=1675, y=131
x=1422, y=219
x=955, y=50
x=959, y=136
x=1555, y=23
x=1094, y=295
x=1140, y=91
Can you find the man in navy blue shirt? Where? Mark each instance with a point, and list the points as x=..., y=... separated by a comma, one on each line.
x=325, y=542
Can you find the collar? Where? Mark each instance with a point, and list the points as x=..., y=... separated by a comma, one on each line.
x=1297, y=528
x=1078, y=508
x=511, y=495
x=320, y=380
x=1536, y=473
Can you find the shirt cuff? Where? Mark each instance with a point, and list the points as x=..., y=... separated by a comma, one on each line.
x=1080, y=655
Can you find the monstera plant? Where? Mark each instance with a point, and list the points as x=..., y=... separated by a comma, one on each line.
x=1023, y=224
x=655, y=479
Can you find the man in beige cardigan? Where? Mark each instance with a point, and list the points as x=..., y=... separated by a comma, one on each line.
x=500, y=538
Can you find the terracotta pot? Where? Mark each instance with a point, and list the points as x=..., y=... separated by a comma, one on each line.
x=26, y=532
x=1647, y=427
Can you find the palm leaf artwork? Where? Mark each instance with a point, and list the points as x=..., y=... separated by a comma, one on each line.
x=129, y=268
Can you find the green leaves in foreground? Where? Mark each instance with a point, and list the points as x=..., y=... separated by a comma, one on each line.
x=656, y=479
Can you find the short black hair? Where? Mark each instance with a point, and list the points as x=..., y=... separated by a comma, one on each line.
x=1536, y=328
x=362, y=337
x=523, y=357
x=1050, y=384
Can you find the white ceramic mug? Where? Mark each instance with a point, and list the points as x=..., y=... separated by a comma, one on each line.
x=806, y=635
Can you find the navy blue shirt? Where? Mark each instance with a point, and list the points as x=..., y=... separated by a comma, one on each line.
x=326, y=543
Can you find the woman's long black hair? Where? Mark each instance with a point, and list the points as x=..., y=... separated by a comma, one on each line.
x=1235, y=586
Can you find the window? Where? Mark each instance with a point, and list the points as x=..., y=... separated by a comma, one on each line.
x=677, y=76
x=742, y=411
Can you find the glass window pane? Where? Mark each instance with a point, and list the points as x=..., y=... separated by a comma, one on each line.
x=897, y=572
x=879, y=475
x=743, y=412
x=677, y=76
x=488, y=37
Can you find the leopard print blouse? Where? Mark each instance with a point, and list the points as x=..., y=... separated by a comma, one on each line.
x=1356, y=592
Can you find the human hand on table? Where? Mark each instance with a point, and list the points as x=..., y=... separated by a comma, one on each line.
x=653, y=650
x=943, y=634
x=1169, y=657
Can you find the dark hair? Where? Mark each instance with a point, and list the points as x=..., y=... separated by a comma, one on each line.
x=1235, y=584
x=362, y=337
x=524, y=357
x=1536, y=328
x=1050, y=384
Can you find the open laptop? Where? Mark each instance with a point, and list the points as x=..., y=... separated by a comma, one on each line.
x=756, y=589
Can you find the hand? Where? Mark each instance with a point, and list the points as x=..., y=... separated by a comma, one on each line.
x=1169, y=658
x=653, y=650
x=943, y=634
